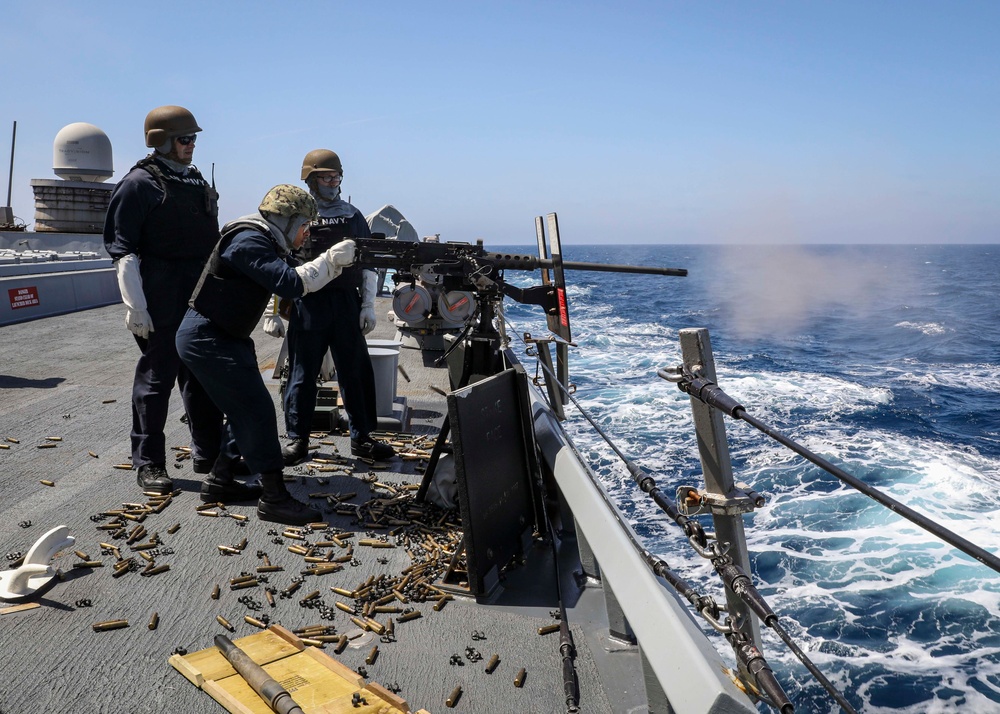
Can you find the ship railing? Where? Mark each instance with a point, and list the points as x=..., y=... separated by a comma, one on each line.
x=611, y=552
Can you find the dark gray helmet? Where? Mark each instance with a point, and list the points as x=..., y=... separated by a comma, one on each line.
x=320, y=161
x=165, y=123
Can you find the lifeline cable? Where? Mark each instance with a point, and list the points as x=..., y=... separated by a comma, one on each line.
x=693, y=530
x=769, y=684
x=711, y=394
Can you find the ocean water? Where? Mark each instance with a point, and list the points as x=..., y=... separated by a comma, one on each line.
x=884, y=360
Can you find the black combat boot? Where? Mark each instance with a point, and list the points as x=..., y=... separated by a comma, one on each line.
x=277, y=505
x=221, y=486
x=372, y=449
x=295, y=452
x=153, y=478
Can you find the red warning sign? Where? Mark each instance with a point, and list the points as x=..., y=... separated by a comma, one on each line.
x=23, y=297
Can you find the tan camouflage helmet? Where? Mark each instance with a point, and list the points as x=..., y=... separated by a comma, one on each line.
x=286, y=200
x=165, y=123
x=320, y=161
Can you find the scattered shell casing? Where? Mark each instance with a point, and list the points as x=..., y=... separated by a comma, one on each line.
x=341, y=644
x=156, y=571
x=46, y=482
x=207, y=506
x=453, y=698
x=492, y=664
x=81, y=555
x=548, y=629
x=46, y=446
x=343, y=606
x=174, y=528
x=406, y=616
x=91, y=453
x=225, y=623
x=210, y=514
x=372, y=655
x=270, y=597
x=254, y=621
x=154, y=621
x=215, y=592
x=311, y=642
x=247, y=584
x=109, y=625
x=519, y=677
x=228, y=550
x=89, y=564
x=54, y=438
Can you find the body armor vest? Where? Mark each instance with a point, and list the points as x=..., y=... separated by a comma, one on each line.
x=323, y=236
x=226, y=296
x=185, y=226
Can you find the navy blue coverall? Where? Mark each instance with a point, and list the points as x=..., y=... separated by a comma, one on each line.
x=226, y=363
x=170, y=221
x=330, y=319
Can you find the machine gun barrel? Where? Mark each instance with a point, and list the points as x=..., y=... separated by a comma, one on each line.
x=513, y=261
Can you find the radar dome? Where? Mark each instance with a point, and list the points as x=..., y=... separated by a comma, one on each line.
x=82, y=152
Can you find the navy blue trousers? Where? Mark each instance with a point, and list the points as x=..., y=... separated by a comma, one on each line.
x=227, y=367
x=159, y=367
x=340, y=332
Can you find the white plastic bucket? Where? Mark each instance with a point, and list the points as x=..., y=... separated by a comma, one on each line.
x=384, y=365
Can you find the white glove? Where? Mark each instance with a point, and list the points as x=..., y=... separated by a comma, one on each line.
x=274, y=326
x=369, y=285
x=342, y=254
x=137, y=318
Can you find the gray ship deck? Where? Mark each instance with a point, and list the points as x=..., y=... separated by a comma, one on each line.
x=57, y=379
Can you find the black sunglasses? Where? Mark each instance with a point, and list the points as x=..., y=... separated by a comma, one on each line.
x=189, y=139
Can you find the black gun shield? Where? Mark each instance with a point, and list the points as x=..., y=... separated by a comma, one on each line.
x=493, y=469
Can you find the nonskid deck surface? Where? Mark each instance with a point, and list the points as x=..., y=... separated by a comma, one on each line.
x=70, y=377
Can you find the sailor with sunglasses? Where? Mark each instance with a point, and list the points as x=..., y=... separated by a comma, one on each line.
x=161, y=226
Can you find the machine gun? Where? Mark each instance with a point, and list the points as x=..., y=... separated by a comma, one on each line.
x=464, y=275
x=443, y=287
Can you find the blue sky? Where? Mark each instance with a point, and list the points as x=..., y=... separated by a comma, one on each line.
x=637, y=122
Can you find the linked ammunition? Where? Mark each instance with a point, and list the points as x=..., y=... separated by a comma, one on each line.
x=154, y=621
x=225, y=623
x=519, y=678
x=109, y=625
x=492, y=664
x=453, y=698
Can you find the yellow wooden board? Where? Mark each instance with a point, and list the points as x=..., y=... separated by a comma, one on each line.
x=318, y=683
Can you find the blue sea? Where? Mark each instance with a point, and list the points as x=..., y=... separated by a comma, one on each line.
x=885, y=360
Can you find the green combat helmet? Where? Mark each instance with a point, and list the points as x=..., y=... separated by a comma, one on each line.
x=286, y=200
x=164, y=123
